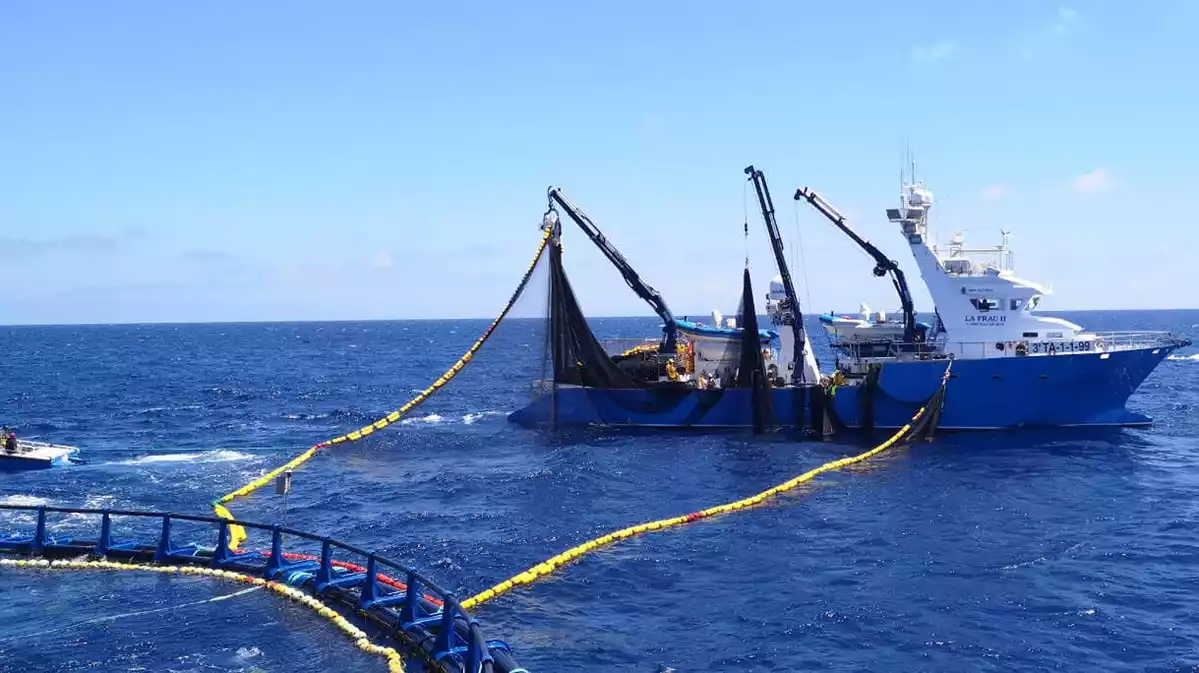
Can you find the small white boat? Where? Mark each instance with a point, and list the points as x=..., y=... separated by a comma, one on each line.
x=870, y=326
x=37, y=456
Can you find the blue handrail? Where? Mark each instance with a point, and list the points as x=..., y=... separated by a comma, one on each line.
x=445, y=634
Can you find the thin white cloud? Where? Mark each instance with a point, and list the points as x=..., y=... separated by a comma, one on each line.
x=934, y=53
x=1098, y=180
x=994, y=193
x=81, y=243
x=1065, y=22
x=383, y=260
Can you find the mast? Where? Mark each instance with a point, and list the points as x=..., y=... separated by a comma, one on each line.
x=791, y=313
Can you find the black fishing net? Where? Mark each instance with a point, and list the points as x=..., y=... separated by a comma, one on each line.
x=504, y=374
x=925, y=426
x=720, y=374
x=636, y=381
x=752, y=370
x=578, y=357
x=521, y=359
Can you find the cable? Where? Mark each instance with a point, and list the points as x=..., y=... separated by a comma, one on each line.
x=745, y=226
x=553, y=563
x=803, y=264
x=139, y=613
x=237, y=534
x=395, y=664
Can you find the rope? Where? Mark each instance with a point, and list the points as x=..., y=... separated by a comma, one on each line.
x=803, y=262
x=553, y=563
x=745, y=225
x=126, y=615
x=355, y=568
x=394, y=663
x=237, y=534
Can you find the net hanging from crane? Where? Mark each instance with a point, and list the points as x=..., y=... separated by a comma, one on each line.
x=578, y=357
x=752, y=372
x=598, y=383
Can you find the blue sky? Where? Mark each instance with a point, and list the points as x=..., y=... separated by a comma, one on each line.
x=271, y=160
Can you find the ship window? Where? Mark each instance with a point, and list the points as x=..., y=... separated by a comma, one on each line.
x=1016, y=304
x=1030, y=335
x=984, y=304
x=1033, y=301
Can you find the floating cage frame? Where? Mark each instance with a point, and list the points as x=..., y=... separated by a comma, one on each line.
x=426, y=619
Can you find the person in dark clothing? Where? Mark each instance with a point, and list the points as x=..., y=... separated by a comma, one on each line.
x=10, y=443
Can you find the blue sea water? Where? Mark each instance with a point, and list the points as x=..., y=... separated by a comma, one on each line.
x=1013, y=551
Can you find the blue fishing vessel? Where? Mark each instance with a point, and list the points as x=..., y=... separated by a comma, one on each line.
x=1012, y=366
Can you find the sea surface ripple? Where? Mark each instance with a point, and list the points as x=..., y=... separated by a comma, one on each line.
x=1008, y=551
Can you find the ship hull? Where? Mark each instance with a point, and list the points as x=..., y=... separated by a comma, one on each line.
x=641, y=408
x=994, y=393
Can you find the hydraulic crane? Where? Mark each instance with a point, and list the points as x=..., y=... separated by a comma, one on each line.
x=648, y=294
x=792, y=316
x=883, y=265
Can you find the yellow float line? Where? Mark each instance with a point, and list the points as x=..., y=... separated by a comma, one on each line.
x=395, y=664
x=643, y=348
x=553, y=563
x=237, y=534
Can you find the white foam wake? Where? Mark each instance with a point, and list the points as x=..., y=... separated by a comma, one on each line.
x=1192, y=358
x=27, y=500
x=467, y=418
x=218, y=456
x=471, y=418
x=431, y=418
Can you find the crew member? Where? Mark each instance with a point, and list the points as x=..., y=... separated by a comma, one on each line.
x=10, y=443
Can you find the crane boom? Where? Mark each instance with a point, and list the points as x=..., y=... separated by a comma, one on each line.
x=648, y=294
x=776, y=241
x=883, y=265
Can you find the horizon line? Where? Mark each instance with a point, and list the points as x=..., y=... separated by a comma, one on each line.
x=470, y=319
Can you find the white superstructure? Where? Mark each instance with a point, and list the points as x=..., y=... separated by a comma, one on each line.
x=985, y=310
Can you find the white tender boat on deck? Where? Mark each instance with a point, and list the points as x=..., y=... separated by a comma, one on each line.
x=868, y=326
x=37, y=456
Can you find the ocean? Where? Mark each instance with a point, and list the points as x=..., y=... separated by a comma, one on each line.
x=1007, y=551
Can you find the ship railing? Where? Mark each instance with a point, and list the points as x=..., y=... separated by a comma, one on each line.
x=427, y=617
x=30, y=445
x=1133, y=340
x=1085, y=342
x=883, y=350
